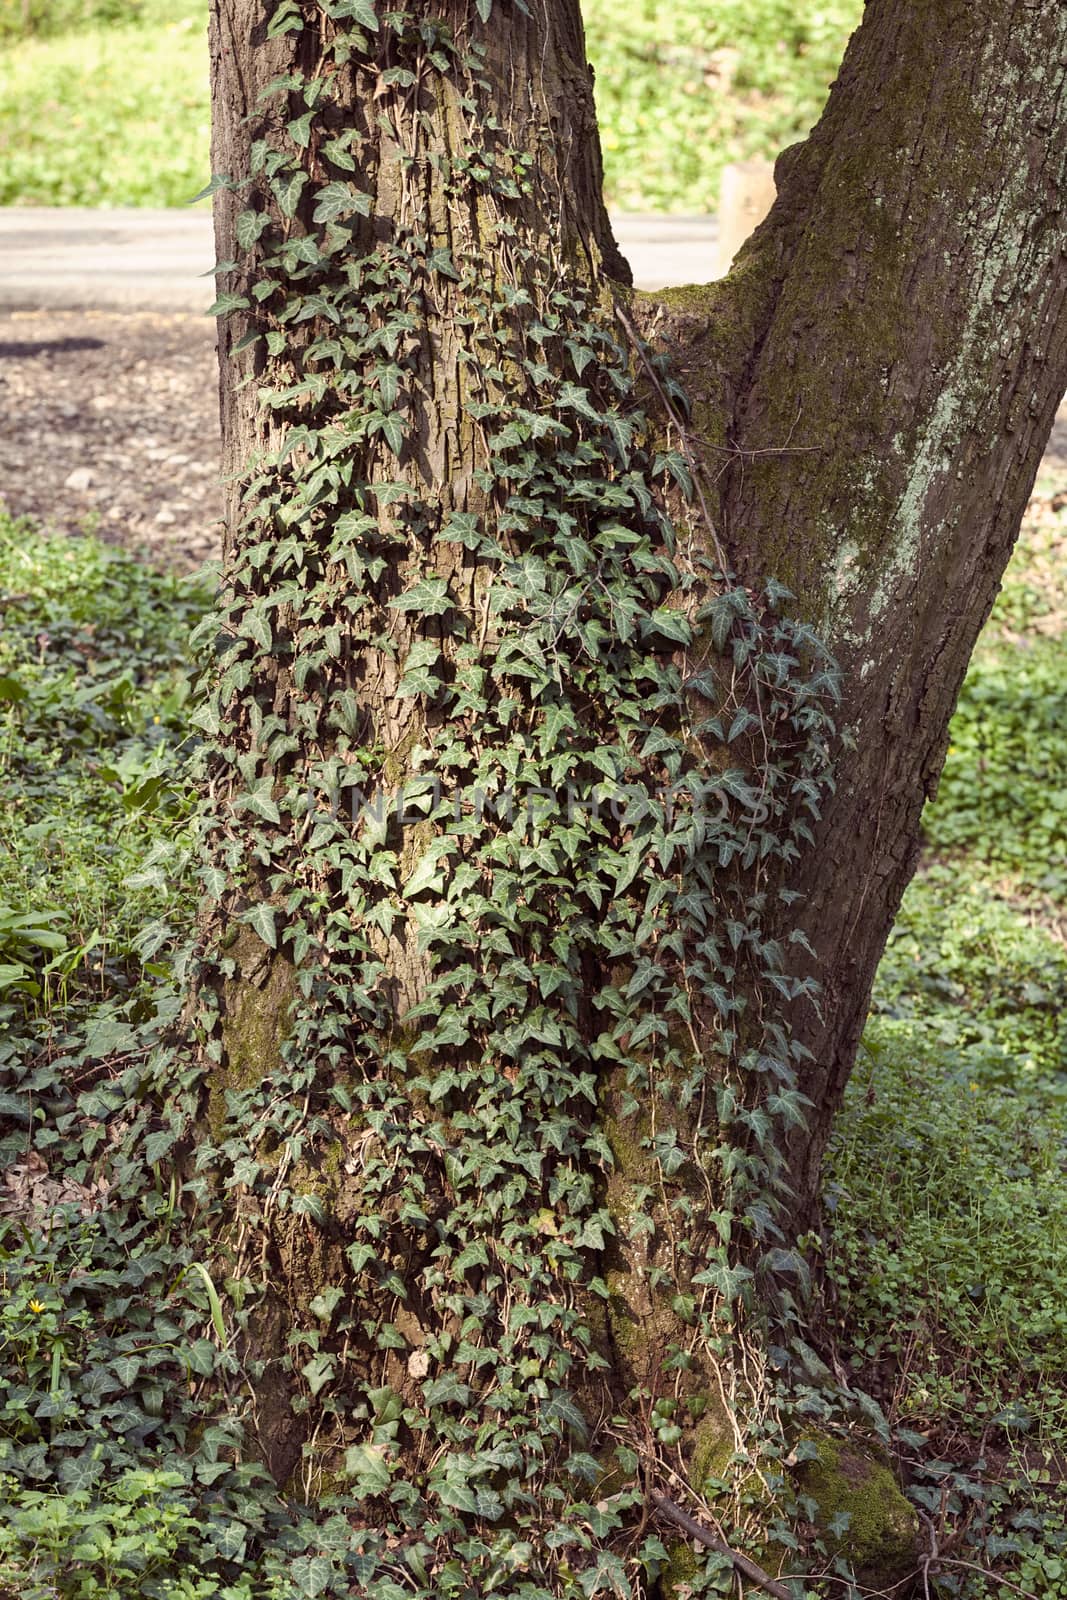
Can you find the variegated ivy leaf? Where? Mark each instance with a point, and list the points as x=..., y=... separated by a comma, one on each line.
x=338, y=199
x=429, y=597
x=261, y=920
x=227, y=304
x=287, y=188
x=361, y=11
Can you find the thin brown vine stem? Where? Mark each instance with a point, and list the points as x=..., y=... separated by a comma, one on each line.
x=697, y=1530
x=665, y=401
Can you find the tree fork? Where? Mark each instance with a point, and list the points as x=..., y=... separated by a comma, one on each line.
x=877, y=381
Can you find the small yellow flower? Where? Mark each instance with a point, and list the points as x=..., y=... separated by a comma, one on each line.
x=155, y=719
x=973, y=1087
x=36, y=1306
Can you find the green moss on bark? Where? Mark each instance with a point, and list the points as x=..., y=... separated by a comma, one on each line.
x=256, y=1004
x=679, y=1576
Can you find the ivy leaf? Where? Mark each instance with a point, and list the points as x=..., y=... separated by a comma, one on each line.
x=365, y=1464
x=318, y=1371
x=605, y=1573
x=670, y=461
x=312, y=1575
x=361, y=11
x=287, y=188
x=484, y=8
x=457, y=1494
x=287, y=19
x=260, y=799
x=430, y=597
x=391, y=426
x=441, y=261
x=475, y=1255
x=577, y=399
x=325, y=1304
x=227, y=304
x=388, y=376
x=729, y=1281
x=337, y=152
x=126, y=1369
x=299, y=129
x=256, y=627
x=219, y=181
x=621, y=430
x=229, y=1539
x=669, y=624
x=250, y=225
x=261, y=920
x=338, y=199
x=418, y=678
x=200, y=1357
x=427, y=875
x=157, y=1144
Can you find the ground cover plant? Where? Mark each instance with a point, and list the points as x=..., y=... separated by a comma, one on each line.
x=104, y=1311
x=680, y=90
x=946, y=1195
x=93, y=701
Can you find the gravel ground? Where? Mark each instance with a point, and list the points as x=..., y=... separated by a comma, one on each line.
x=110, y=420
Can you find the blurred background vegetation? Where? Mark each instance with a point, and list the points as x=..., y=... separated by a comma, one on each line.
x=106, y=102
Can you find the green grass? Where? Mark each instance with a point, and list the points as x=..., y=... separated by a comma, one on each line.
x=1003, y=794
x=681, y=89
x=947, y=1274
x=116, y=112
x=111, y=114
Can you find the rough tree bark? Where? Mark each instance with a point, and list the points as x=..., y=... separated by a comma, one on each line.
x=872, y=389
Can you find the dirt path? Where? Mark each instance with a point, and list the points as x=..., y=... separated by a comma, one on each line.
x=110, y=420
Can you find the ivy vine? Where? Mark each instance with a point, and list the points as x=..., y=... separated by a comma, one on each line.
x=506, y=775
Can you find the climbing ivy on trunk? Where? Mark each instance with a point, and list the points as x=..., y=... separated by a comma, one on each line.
x=506, y=774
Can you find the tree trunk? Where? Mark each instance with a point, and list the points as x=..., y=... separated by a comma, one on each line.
x=514, y=745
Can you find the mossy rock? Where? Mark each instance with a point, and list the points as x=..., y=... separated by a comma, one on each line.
x=880, y=1541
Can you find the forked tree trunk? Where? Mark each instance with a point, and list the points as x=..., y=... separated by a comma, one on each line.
x=871, y=392
x=884, y=368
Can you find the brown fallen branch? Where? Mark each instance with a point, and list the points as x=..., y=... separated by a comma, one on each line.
x=696, y=1530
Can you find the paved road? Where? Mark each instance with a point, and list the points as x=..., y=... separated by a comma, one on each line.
x=140, y=260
